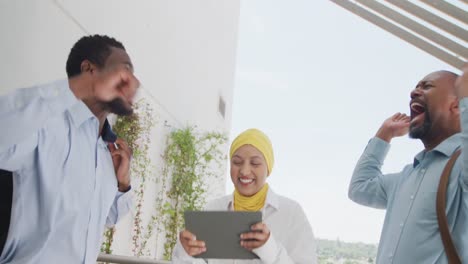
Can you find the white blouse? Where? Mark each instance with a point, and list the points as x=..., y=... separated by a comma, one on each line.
x=291, y=239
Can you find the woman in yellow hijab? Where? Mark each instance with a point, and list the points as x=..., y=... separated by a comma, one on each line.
x=283, y=237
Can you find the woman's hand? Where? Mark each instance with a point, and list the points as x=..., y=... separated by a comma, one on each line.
x=257, y=238
x=190, y=243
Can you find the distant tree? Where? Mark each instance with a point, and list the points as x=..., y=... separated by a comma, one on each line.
x=337, y=251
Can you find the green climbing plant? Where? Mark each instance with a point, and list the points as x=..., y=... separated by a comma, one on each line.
x=106, y=246
x=135, y=129
x=189, y=160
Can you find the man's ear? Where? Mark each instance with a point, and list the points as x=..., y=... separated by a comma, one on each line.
x=454, y=106
x=87, y=66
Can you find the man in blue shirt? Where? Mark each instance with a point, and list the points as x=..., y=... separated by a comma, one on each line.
x=411, y=233
x=70, y=172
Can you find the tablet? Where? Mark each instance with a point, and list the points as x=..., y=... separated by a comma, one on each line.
x=221, y=232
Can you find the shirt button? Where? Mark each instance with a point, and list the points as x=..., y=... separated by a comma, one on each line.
x=423, y=171
x=412, y=197
x=401, y=224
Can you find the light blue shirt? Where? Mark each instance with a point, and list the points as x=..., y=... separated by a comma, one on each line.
x=410, y=233
x=64, y=183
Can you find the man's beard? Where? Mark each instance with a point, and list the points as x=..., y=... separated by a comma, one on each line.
x=118, y=107
x=421, y=131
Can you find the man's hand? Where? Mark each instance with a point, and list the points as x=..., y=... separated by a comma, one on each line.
x=257, y=238
x=106, y=85
x=121, y=157
x=117, y=82
x=461, y=84
x=190, y=243
x=395, y=126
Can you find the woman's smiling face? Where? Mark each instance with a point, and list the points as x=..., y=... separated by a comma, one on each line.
x=248, y=170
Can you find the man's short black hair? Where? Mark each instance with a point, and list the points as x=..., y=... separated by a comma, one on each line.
x=95, y=48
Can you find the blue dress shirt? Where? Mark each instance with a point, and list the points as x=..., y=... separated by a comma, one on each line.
x=410, y=233
x=64, y=184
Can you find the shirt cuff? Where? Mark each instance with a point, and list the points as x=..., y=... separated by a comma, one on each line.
x=269, y=251
x=463, y=105
x=377, y=148
x=124, y=202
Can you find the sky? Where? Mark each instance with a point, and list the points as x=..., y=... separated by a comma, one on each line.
x=319, y=81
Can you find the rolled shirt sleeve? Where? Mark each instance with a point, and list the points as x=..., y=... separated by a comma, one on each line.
x=123, y=203
x=367, y=185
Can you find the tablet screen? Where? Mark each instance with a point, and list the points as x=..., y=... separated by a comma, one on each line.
x=221, y=232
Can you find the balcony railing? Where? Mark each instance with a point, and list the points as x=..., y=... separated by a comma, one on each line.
x=128, y=260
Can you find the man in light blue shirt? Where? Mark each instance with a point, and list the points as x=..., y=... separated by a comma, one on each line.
x=70, y=172
x=411, y=233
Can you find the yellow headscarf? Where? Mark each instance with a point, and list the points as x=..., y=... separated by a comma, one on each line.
x=260, y=141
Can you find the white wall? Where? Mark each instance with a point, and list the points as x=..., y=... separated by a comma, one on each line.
x=183, y=52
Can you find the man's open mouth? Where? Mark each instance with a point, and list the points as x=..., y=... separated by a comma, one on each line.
x=417, y=108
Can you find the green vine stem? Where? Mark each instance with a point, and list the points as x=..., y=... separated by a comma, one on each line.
x=189, y=159
x=135, y=129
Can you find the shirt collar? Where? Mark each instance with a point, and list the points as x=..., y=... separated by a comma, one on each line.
x=80, y=113
x=271, y=200
x=446, y=148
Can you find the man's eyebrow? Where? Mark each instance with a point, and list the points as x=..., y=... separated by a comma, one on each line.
x=129, y=64
x=421, y=83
